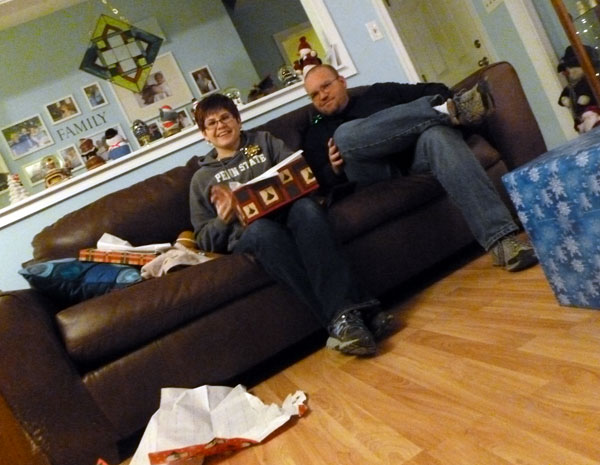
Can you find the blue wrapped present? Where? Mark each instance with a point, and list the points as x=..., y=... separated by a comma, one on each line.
x=557, y=198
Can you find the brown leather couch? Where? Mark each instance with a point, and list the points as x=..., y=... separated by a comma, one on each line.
x=83, y=379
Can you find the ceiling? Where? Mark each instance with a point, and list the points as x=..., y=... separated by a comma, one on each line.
x=14, y=12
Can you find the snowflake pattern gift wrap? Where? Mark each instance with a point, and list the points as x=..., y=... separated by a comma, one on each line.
x=557, y=197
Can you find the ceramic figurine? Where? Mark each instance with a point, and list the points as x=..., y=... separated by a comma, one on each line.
x=89, y=153
x=16, y=190
x=309, y=58
x=117, y=146
x=169, y=121
x=141, y=132
x=287, y=75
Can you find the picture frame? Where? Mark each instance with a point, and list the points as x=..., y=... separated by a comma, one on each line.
x=204, y=80
x=99, y=140
x=4, y=174
x=33, y=172
x=165, y=86
x=155, y=130
x=26, y=136
x=71, y=157
x=288, y=40
x=94, y=95
x=62, y=109
x=184, y=119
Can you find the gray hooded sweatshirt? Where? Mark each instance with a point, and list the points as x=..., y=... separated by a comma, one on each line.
x=258, y=152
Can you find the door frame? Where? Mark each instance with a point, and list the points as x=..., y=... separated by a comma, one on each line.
x=536, y=43
x=532, y=35
x=390, y=29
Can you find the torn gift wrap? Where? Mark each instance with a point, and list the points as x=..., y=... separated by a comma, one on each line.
x=208, y=420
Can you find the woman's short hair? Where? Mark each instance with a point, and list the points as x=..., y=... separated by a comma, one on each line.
x=213, y=103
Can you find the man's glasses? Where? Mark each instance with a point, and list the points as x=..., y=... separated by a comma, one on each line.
x=212, y=123
x=322, y=88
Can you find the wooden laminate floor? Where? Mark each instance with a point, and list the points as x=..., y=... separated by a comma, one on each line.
x=485, y=369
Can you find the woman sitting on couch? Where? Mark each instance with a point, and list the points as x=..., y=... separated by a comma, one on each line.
x=295, y=244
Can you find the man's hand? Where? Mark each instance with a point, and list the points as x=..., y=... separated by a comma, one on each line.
x=224, y=201
x=335, y=158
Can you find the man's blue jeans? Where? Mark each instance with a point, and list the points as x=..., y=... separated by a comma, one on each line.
x=298, y=248
x=367, y=144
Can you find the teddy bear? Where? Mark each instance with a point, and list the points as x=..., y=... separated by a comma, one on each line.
x=577, y=95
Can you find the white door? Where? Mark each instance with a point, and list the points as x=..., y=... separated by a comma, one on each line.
x=443, y=37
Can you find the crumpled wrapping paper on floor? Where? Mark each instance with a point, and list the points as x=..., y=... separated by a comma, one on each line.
x=193, y=423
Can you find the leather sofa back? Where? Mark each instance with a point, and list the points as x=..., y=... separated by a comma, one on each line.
x=152, y=211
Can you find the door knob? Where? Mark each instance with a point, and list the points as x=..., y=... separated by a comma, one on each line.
x=483, y=62
x=477, y=43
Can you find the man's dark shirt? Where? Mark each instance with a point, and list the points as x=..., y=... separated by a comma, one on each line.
x=377, y=97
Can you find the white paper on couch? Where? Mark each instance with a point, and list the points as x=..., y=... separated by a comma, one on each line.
x=188, y=417
x=111, y=243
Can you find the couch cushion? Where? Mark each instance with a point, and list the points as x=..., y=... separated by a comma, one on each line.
x=71, y=281
x=103, y=328
x=378, y=203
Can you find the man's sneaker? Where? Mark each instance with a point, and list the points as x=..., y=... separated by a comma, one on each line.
x=380, y=324
x=513, y=254
x=349, y=335
x=469, y=107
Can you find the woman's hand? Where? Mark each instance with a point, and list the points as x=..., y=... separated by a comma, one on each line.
x=335, y=158
x=224, y=201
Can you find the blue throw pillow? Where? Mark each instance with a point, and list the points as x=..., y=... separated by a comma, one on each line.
x=73, y=281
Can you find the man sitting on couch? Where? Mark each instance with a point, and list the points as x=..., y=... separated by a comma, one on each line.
x=393, y=128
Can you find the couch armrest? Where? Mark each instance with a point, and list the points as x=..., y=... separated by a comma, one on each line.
x=512, y=129
x=42, y=387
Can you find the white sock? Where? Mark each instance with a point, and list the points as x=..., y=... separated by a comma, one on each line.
x=443, y=108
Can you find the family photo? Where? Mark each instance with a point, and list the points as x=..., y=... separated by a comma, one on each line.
x=165, y=86
x=71, y=157
x=27, y=136
x=95, y=96
x=63, y=109
x=204, y=80
x=3, y=175
x=156, y=89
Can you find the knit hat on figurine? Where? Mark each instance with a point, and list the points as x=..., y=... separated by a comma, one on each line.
x=304, y=48
x=570, y=60
x=113, y=138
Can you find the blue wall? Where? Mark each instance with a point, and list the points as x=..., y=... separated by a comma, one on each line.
x=375, y=61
